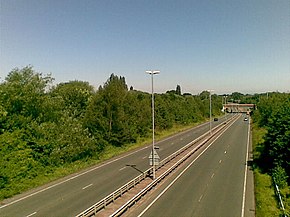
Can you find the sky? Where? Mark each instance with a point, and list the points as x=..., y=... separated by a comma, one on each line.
x=221, y=45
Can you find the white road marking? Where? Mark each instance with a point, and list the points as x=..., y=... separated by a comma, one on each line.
x=87, y=186
x=144, y=157
x=225, y=152
x=182, y=173
x=31, y=214
x=212, y=176
x=220, y=161
x=245, y=177
x=122, y=168
x=200, y=198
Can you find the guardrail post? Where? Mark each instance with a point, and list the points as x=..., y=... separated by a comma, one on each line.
x=279, y=197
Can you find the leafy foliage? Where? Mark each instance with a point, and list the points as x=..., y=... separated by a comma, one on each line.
x=274, y=114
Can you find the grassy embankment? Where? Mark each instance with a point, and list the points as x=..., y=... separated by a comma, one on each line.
x=266, y=201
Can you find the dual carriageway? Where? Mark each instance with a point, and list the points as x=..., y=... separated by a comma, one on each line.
x=214, y=181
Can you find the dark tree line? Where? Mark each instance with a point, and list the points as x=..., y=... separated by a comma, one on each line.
x=43, y=127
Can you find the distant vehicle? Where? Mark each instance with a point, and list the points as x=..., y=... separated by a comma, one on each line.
x=246, y=119
x=215, y=119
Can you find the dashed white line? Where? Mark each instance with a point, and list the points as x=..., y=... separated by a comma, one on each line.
x=144, y=157
x=220, y=161
x=31, y=214
x=87, y=186
x=225, y=152
x=200, y=198
x=212, y=176
x=122, y=168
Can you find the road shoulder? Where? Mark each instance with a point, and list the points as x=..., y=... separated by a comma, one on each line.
x=250, y=206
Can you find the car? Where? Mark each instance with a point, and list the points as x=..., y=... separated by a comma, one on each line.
x=245, y=119
x=215, y=119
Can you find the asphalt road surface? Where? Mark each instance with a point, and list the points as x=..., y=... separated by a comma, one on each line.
x=75, y=193
x=214, y=184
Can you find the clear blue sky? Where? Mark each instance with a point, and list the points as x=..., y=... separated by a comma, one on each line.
x=224, y=45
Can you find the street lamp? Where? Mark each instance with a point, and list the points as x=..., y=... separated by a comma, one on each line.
x=225, y=106
x=210, y=111
x=152, y=73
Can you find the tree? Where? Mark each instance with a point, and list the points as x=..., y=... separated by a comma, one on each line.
x=236, y=96
x=204, y=95
x=75, y=96
x=178, y=90
x=277, y=140
x=106, y=113
x=22, y=92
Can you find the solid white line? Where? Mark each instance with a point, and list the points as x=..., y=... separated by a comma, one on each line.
x=181, y=174
x=31, y=214
x=87, y=186
x=245, y=176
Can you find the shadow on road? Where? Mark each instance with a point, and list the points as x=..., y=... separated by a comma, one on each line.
x=134, y=167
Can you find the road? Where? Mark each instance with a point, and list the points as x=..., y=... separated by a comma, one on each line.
x=213, y=184
x=73, y=194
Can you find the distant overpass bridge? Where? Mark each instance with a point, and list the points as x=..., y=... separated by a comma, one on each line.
x=238, y=108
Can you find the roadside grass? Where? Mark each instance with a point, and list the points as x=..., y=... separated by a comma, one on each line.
x=266, y=201
x=48, y=175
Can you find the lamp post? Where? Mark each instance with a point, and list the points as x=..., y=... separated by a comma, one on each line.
x=210, y=111
x=152, y=73
x=225, y=96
